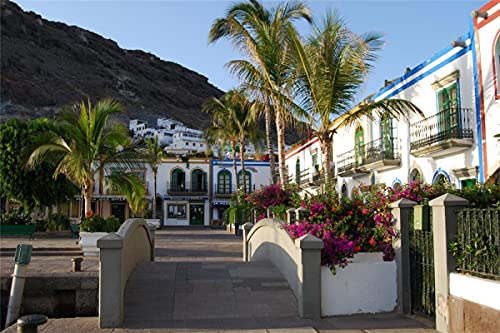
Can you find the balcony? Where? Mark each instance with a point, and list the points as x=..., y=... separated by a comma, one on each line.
x=444, y=133
x=187, y=189
x=381, y=154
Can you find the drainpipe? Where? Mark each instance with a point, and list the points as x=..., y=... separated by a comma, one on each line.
x=478, y=98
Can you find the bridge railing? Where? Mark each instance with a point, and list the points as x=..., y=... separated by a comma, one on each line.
x=299, y=260
x=120, y=252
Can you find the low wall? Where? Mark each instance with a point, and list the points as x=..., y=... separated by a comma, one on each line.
x=474, y=304
x=119, y=254
x=367, y=285
x=298, y=261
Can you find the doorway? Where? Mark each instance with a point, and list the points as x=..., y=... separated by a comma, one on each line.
x=196, y=214
x=118, y=210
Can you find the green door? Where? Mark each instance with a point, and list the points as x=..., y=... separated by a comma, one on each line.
x=386, y=136
x=448, y=111
x=196, y=214
x=359, y=145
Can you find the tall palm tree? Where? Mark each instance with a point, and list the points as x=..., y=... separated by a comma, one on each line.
x=89, y=143
x=153, y=155
x=263, y=35
x=331, y=67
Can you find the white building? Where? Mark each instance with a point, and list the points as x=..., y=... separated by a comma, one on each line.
x=457, y=91
x=187, y=139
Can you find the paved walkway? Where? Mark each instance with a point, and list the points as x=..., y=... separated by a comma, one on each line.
x=200, y=284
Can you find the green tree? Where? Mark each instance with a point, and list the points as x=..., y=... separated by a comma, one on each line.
x=331, y=67
x=35, y=187
x=153, y=155
x=263, y=35
x=132, y=188
x=91, y=142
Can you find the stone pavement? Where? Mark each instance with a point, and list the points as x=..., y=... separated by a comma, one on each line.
x=200, y=284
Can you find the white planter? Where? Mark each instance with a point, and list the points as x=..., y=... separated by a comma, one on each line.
x=155, y=222
x=367, y=285
x=88, y=242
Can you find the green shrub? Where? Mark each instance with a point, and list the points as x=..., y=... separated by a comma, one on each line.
x=58, y=222
x=95, y=223
x=15, y=217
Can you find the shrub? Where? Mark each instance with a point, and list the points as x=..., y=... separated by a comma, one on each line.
x=95, y=223
x=58, y=222
x=15, y=217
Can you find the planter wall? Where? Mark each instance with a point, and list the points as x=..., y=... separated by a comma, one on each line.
x=367, y=285
x=88, y=243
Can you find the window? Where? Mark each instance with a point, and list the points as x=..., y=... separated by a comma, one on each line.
x=496, y=66
x=248, y=180
x=440, y=180
x=177, y=211
x=468, y=183
x=178, y=180
x=194, y=144
x=397, y=186
x=198, y=180
x=386, y=136
x=343, y=191
x=415, y=176
x=297, y=171
x=448, y=108
x=187, y=144
x=314, y=155
x=359, y=145
x=224, y=182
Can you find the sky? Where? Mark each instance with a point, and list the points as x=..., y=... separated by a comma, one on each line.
x=177, y=31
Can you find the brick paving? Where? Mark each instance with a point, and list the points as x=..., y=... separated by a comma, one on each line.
x=200, y=284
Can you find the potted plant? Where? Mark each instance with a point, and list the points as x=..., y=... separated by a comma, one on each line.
x=94, y=227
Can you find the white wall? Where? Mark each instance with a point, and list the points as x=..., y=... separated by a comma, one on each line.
x=476, y=290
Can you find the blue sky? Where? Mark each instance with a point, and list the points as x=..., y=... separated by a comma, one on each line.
x=177, y=30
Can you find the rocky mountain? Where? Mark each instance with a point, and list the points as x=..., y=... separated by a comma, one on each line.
x=46, y=65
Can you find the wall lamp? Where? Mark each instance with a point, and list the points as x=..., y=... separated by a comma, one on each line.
x=477, y=13
x=458, y=43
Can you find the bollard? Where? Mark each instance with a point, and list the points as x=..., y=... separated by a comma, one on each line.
x=30, y=323
x=77, y=264
x=22, y=259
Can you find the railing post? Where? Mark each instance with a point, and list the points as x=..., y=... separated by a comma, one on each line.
x=444, y=228
x=400, y=211
x=269, y=212
x=290, y=216
x=309, y=274
x=300, y=213
x=246, y=229
x=110, y=281
x=152, y=232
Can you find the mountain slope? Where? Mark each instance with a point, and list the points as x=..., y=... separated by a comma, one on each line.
x=46, y=65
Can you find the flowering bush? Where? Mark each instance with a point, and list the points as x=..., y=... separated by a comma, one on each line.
x=95, y=223
x=273, y=196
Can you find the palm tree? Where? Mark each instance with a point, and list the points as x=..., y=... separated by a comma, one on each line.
x=153, y=155
x=89, y=143
x=263, y=35
x=331, y=66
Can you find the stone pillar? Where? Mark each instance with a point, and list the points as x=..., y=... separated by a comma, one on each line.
x=269, y=212
x=152, y=231
x=246, y=229
x=110, y=281
x=400, y=211
x=309, y=273
x=290, y=216
x=444, y=228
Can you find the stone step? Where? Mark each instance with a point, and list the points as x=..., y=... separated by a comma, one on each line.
x=45, y=254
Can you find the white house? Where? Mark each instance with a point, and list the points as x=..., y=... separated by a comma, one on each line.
x=457, y=91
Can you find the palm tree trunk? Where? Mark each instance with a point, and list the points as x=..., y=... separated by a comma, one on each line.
x=326, y=148
x=233, y=146
x=101, y=192
x=242, y=159
x=153, y=215
x=280, y=130
x=87, y=193
x=270, y=144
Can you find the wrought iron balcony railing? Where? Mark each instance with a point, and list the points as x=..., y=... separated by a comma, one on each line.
x=378, y=150
x=187, y=188
x=453, y=123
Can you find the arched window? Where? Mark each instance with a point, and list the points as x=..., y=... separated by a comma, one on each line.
x=397, y=186
x=224, y=182
x=198, y=180
x=496, y=66
x=415, y=176
x=178, y=182
x=440, y=180
x=297, y=171
x=343, y=191
x=386, y=136
x=359, y=145
x=248, y=180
